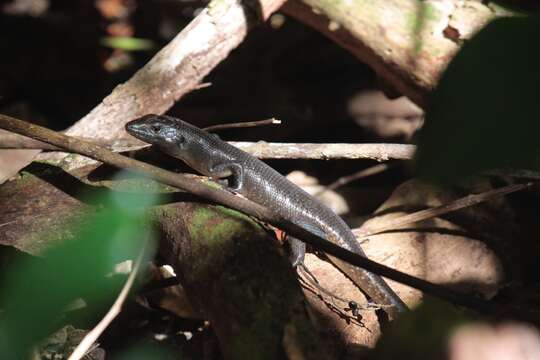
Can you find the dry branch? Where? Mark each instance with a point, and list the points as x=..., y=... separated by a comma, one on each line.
x=407, y=42
x=176, y=69
x=261, y=149
x=379, y=152
x=467, y=201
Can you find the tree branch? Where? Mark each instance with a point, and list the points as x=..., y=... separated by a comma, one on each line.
x=262, y=150
x=379, y=152
x=407, y=42
x=464, y=202
x=176, y=69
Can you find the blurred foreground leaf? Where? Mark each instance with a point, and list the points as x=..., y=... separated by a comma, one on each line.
x=127, y=43
x=484, y=112
x=35, y=293
x=144, y=352
x=422, y=333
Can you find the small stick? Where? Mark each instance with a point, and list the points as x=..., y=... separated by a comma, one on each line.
x=113, y=312
x=370, y=171
x=310, y=279
x=245, y=124
x=515, y=173
x=467, y=201
x=9, y=140
x=202, y=86
x=7, y=223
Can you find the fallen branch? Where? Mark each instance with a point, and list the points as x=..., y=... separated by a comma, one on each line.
x=92, y=336
x=407, y=42
x=464, y=202
x=176, y=69
x=262, y=150
x=9, y=140
x=370, y=171
x=379, y=152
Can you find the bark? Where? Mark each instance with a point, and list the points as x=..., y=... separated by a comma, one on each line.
x=241, y=281
x=176, y=69
x=378, y=152
x=260, y=149
x=407, y=42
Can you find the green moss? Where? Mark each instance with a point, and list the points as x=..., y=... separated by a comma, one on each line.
x=430, y=12
x=218, y=224
x=25, y=176
x=142, y=185
x=46, y=162
x=415, y=20
x=217, y=6
x=236, y=214
x=212, y=184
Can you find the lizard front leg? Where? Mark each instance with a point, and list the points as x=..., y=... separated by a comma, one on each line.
x=231, y=170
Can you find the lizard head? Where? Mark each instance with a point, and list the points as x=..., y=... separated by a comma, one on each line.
x=162, y=131
x=177, y=138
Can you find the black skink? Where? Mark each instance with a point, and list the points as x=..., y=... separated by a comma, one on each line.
x=260, y=183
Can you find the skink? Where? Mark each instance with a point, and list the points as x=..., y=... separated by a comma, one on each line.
x=260, y=183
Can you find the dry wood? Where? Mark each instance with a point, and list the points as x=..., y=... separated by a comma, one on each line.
x=467, y=201
x=407, y=42
x=176, y=69
x=379, y=152
x=261, y=149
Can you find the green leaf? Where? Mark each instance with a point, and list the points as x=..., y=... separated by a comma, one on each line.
x=421, y=333
x=127, y=43
x=37, y=291
x=484, y=112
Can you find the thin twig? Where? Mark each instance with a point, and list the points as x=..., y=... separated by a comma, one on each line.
x=467, y=201
x=202, y=86
x=113, y=312
x=7, y=223
x=210, y=192
x=9, y=140
x=515, y=173
x=310, y=279
x=245, y=124
x=370, y=171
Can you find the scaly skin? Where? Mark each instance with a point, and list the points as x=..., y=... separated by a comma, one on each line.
x=252, y=178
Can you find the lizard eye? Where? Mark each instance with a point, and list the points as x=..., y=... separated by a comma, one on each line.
x=155, y=128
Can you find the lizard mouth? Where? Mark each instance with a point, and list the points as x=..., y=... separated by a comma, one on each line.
x=138, y=129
